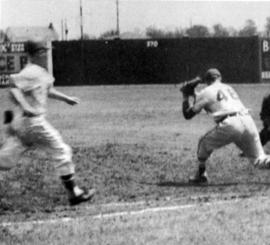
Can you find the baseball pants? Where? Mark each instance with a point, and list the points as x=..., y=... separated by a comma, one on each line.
x=240, y=130
x=25, y=133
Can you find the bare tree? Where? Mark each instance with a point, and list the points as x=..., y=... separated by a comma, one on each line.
x=179, y=33
x=3, y=36
x=250, y=29
x=154, y=32
x=86, y=36
x=198, y=31
x=111, y=34
x=220, y=31
x=267, y=27
x=232, y=32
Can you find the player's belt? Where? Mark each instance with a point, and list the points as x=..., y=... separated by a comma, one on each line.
x=221, y=119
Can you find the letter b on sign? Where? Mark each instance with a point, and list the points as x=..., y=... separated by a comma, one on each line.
x=265, y=46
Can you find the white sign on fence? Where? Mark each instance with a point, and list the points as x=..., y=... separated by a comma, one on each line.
x=13, y=58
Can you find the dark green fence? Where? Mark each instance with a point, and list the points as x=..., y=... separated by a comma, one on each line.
x=155, y=61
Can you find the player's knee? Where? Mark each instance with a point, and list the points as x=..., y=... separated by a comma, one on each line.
x=65, y=168
x=203, y=153
x=202, y=159
x=67, y=152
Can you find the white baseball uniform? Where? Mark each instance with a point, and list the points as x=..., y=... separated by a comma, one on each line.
x=26, y=132
x=234, y=124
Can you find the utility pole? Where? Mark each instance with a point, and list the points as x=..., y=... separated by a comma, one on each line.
x=117, y=18
x=82, y=61
x=81, y=19
x=62, y=30
x=190, y=23
x=66, y=30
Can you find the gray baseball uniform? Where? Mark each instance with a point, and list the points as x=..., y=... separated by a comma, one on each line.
x=234, y=124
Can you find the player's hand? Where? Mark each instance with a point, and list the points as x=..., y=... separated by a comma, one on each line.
x=73, y=101
x=29, y=112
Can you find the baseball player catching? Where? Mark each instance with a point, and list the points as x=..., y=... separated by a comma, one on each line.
x=26, y=125
x=233, y=122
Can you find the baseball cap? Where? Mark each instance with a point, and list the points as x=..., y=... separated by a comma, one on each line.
x=32, y=47
x=211, y=74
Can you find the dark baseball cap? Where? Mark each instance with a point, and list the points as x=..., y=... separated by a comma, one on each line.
x=211, y=74
x=32, y=47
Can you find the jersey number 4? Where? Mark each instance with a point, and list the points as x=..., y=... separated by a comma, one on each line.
x=226, y=95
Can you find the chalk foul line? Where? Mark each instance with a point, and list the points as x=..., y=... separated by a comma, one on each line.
x=119, y=214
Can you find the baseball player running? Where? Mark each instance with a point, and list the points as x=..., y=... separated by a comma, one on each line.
x=26, y=125
x=233, y=123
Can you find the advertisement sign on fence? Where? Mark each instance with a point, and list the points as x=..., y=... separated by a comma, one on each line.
x=265, y=59
x=13, y=58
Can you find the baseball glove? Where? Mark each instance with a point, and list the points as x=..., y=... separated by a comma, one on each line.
x=188, y=87
x=8, y=117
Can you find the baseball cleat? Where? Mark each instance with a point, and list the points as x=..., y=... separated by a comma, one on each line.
x=198, y=179
x=85, y=196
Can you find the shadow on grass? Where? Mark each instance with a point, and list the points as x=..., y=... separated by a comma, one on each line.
x=186, y=184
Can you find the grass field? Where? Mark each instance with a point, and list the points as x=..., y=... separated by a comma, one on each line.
x=132, y=144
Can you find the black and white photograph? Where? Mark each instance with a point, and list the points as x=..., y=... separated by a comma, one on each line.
x=134, y=122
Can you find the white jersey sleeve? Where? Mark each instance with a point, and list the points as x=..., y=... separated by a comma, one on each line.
x=30, y=78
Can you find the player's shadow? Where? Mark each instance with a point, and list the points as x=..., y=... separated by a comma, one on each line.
x=187, y=184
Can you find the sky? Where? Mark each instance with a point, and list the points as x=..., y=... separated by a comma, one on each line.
x=134, y=15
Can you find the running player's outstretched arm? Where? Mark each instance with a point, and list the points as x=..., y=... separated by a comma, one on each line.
x=54, y=94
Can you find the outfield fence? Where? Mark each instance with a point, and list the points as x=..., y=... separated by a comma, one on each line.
x=156, y=61
x=146, y=61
